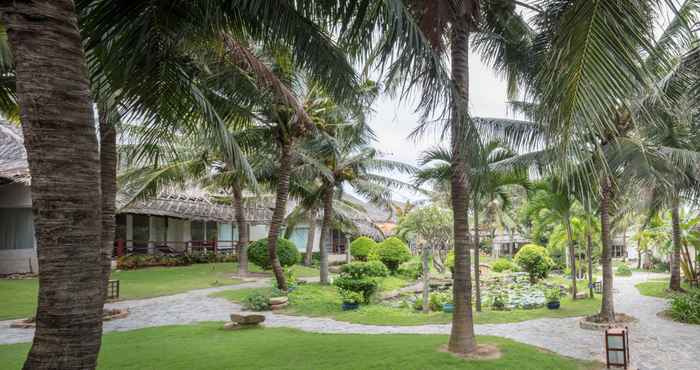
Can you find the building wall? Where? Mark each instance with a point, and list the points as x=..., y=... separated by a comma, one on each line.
x=17, y=260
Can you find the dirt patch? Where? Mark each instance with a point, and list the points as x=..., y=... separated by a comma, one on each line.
x=482, y=352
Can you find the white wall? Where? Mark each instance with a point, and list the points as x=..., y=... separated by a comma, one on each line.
x=18, y=261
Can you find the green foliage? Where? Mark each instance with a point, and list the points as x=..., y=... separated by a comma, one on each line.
x=501, y=265
x=287, y=253
x=450, y=261
x=411, y=270
x=367, y=286
x=359, y=270
x=686, y=307
x=432, y=224
x=351, y=297
x=256, y=301
x=361, y=247
x=438, y=299
x=499, y=302
x=623, y=270
x=393, y=252
x=534, y=260
x=553, y=295
x=149, y=260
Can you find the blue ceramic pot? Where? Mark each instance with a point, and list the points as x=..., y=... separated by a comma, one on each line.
x=350, y=306
x=448, y=308
x=553, y=305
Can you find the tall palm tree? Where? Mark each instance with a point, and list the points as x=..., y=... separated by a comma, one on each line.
x=64, y=163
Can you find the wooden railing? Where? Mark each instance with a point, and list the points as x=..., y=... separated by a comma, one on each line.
x=129, y=247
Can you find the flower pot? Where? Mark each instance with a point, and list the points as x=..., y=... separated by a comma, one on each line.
x=448, y=308
x=553, y=305
x=350, y=306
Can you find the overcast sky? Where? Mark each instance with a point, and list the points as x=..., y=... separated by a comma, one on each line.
x=393, y=120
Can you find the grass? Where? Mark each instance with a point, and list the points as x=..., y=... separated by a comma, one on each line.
x=657, y=288
x=323, y=301
x=206, y=346
x=19, y=296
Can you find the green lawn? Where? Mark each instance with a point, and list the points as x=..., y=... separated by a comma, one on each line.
x=324, y=301
x=18, y=297
x=206, y=346
x=657, y=288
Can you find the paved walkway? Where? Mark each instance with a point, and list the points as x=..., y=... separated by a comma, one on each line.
x=655, y=343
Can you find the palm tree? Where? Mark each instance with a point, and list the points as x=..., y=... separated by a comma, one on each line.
x=63, y=159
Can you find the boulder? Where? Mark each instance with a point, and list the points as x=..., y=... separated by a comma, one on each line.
x=231, y=326
x=275, y=307
x=278, y=300
x=247, y=319
x=334, y=269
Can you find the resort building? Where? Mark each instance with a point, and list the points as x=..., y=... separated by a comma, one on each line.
x=172, y=222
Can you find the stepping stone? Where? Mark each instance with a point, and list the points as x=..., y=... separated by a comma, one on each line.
x=278, y=300
x=247, y=319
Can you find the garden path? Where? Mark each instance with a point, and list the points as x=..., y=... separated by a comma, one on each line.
x=656, y=343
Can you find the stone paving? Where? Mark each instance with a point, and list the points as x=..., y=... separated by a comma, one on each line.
x=656, y=343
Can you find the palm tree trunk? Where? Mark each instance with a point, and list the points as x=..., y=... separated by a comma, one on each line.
x=589, y=255
x=108, y=184
x=477, y=271
x=326, y=230
x=607, y=308
x=308, y=257
x=572, y=254
x=242, y=226
x=462, y=339
x=675, y=283
x=53, y=94
x=425, y=259
x=279, y=212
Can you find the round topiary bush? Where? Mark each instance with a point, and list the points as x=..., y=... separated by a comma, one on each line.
x=361, y=247
x=534, y=260
x=502, y=265
x=286, y=252
x=393, y=252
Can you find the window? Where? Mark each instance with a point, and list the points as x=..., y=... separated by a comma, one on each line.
x=16, y=228
x=197, y=230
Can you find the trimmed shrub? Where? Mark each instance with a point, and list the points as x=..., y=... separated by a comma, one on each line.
x=534, y=260
x=393, y=252
x=149, y=260
x=412, y=269
x=502, y=265
x=361, y=247
x=358, y=270
x=367, y=285
x=287, y=253
x=623, y=270
x=686, y=307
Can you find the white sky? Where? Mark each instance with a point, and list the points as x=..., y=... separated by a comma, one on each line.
x=393, y=120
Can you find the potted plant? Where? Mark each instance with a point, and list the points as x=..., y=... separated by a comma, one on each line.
x=499, y=302
x=553, y=298
x=351, y=300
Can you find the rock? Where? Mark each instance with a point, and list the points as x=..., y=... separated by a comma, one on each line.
x=231, y=326
x=275, y=307
x=278, y=300
x=581, y=295
x=247, y=319
x=334, y=269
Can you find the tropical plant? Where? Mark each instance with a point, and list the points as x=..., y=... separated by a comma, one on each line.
x=393, y=252
x=431, y=226
x=502, y=265
x=361, y=247
x=534, y=260
x=287, y=253
x=623, y=270
x=553, y=295
x=686, y=307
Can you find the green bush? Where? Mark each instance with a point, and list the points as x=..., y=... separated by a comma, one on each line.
x=450, y=261
x=553, y=295
x=411, y=269
x=623, y=270
x=359, y=270
x=367, y=286
x=361, y=247
x=393, y=252
x=686, y=307
x=438, y=299
x=256, y=301
x=351, y=297
x=151, y=260
x=534, y=260
x=502, y=265
x=287, y=253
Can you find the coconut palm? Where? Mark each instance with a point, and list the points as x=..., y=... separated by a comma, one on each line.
x=63, y=159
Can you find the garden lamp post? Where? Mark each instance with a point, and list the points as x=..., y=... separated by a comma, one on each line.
x=617, y=352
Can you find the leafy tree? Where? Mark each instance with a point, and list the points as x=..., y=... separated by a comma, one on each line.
x=535, y=260
x=432, y=226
